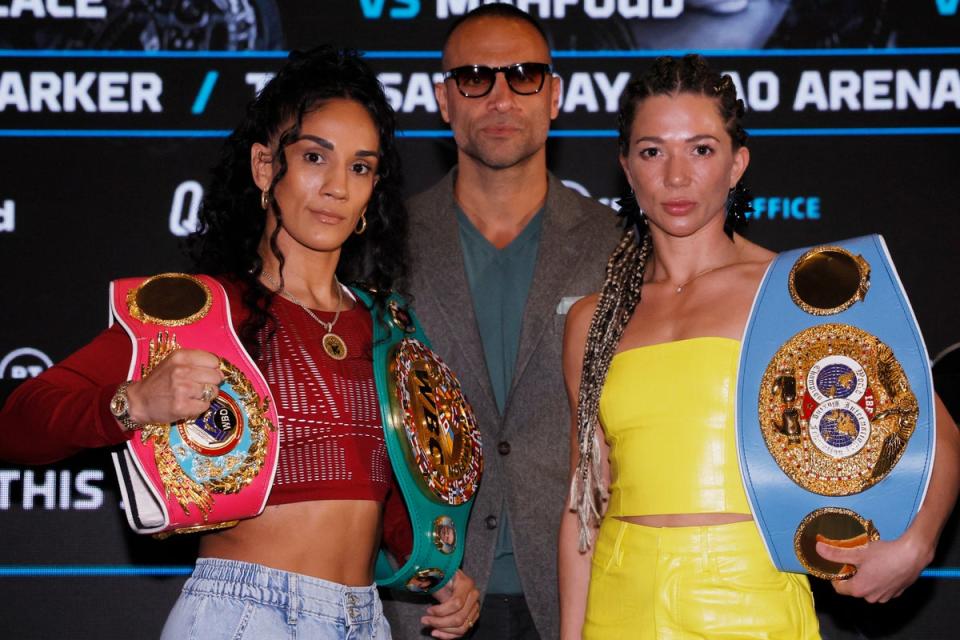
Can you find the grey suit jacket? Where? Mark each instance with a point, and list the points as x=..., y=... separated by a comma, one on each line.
x=530, y=474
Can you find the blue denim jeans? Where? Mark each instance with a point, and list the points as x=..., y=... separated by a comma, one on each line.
x=227, y=599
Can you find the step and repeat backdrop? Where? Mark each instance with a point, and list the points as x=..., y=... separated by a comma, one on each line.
x=112, y=111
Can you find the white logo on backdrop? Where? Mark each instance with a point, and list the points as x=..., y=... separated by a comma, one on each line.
x=582, y=190
x=23, y=363
x=90, y=91
x=8, y=221
x=48, y=490
x=596, y=9
x=185, y=206
x=64, y=9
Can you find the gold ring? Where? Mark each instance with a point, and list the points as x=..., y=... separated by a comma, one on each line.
x=209, y=392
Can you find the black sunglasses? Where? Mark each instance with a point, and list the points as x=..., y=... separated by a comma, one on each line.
x=476, y=81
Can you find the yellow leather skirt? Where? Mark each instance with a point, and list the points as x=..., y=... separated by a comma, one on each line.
x=674, y=583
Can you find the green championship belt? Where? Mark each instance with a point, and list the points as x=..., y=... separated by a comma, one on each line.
x=434, y=446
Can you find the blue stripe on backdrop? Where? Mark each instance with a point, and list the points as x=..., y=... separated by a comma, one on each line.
x=602, y=53
x=114, y=133
x=445, y=133
x=93, y=570
x=82, y=571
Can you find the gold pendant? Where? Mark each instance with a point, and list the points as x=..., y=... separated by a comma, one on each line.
x=335, y=347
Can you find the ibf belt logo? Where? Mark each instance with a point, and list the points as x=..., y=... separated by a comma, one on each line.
x=24, y=363
x=838, y=405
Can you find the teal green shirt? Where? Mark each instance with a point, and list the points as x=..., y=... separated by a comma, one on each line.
x=499, y=282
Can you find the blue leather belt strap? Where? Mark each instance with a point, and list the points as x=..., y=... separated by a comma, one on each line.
x=778, y=330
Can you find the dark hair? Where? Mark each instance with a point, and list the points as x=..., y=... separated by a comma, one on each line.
x=689, y=74
x=495, y=10
x=231, y=219
x=624, y=276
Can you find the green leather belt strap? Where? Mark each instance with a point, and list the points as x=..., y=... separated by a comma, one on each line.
x=434, y=446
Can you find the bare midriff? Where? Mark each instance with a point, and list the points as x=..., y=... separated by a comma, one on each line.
x=335, y=540
x=686, y=519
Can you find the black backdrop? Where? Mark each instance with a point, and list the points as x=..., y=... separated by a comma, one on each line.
x=111, y=112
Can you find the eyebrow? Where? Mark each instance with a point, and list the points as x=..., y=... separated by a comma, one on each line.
x=326, y=144
x=697, y=138
x=323, y=142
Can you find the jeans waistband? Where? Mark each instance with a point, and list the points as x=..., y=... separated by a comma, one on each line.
x=294, y=592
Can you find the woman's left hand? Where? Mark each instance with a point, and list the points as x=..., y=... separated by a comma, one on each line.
x=457, y=610
x=884, y=569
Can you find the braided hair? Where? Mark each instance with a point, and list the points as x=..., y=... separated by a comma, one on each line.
x=623, y=284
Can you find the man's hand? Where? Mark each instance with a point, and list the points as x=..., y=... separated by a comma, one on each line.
x=457, y=610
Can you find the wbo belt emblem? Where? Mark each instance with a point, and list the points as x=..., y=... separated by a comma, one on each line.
x=208, y=471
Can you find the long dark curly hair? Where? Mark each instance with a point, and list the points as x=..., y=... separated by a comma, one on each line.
x=231, y=219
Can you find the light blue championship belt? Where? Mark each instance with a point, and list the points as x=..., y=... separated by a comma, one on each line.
x=834, y=404
x=434, y=446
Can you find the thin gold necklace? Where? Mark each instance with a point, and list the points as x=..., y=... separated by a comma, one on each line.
x=332, y=343
x=697, y=275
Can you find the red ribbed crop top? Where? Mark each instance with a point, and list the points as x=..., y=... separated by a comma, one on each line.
x=331, y=437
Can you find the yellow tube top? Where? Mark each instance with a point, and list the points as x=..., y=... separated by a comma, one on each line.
x=668, y=415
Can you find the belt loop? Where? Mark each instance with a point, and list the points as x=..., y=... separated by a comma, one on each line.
x=293, y=589
x=617, y=556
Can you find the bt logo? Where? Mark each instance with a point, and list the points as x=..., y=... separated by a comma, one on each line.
x=24, y=363
x=399, y=10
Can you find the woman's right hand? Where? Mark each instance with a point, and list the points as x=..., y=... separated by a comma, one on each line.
x=174, y=390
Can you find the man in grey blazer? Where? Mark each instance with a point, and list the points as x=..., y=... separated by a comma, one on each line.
x=500, y=248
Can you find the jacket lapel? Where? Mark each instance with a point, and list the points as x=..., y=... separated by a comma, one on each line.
x=558, y=260
x=436, y=246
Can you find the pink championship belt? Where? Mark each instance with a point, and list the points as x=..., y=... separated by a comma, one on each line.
x=213, y=470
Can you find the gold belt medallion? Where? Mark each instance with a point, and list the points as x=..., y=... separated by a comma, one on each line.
x=441, y=430
x=836, y=409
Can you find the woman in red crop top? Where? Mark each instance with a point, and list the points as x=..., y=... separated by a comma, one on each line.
x=307, y=195
x=697, y=574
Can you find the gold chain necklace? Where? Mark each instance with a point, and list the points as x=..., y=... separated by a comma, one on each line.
x=333, y=344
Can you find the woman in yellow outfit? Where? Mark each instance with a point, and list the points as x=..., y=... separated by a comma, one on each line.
x=677, y=554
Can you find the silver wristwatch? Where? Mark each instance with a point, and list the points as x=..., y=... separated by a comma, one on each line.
x=120, y=408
